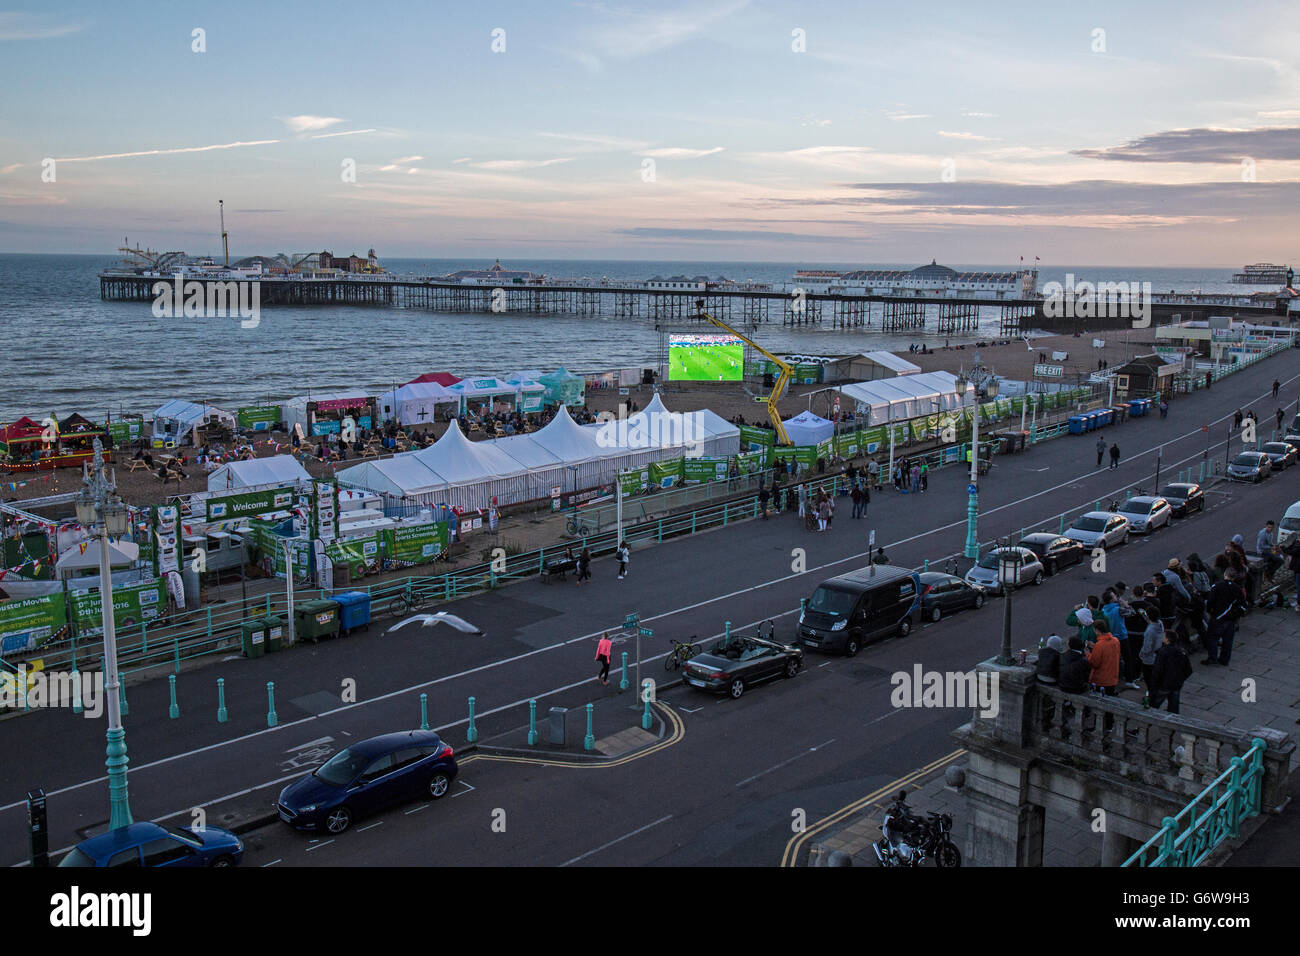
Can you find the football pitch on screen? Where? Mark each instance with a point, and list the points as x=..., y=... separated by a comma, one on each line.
x=706, y=363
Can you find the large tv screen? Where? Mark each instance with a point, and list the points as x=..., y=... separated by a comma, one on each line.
x=705, y=358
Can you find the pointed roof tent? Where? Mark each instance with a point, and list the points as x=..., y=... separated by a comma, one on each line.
x=23, y=429
x=461, y=461
x=276, y=470
x=402, y=474
x=808, y=428
x=569, y=441
x=445, y=379
x=528, y=375
x=121, y=553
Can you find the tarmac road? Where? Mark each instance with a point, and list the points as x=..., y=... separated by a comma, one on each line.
x=540, y=643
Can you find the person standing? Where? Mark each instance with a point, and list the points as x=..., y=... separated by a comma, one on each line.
x=584, y=566
x=1168, y=674
x=803, y=501
x=916, y=478
x=604, y=650
x=823, y=513
x=1225, y=609
x=1280, y=415
x=1153, y=638
x=1236, y=419
x=1277, y=387
x=856, y=496
x=623, y=553
x=1114, y=456
x=866, y=500
x=1101, y=449
x=1103, y=657
x=763, y=497
x=873, y=473
x=925, y=477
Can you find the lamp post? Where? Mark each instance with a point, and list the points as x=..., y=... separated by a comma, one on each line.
x=983, y=385
x=100, y=508
x=1007, y=559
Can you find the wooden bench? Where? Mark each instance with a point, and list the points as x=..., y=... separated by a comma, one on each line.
x=135, y=464
x=558, y=569
x=370, y=452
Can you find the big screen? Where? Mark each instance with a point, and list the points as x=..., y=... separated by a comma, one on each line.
x=705, y=358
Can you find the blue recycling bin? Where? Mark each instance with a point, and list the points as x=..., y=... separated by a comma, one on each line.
x=1107, y=416
x=354, y=611
x=1078, y=425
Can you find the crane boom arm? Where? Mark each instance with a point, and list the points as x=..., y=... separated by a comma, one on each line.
x=782, y=381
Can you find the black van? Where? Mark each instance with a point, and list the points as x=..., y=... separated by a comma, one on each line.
x=853, y=609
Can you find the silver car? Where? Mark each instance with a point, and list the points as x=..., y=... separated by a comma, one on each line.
x=1017, y=565
x=1250, y=466
x=1104, y=529
x=1145, y=513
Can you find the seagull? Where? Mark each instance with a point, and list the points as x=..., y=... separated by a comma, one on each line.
x=442, y=617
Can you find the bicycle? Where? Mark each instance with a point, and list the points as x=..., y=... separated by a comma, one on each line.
x=682, y=652
x=576, y=527
x=409, y=600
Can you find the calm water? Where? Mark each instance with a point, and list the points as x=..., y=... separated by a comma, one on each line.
x=67, y=351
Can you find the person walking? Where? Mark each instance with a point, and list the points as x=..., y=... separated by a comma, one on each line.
x=1236, y=419
x=1164, y=408
x=1169, y=672
x=916, y=479
x=584, y=566
x=823, y=513
x=1114, y=456
x=1280, y=415
x=803, y=501
x=1101, y=449
x=763, y=497
x=623, y=553
x=866, y=500
x=604, y=650
x=1277, y=387
x=856, y=496
x=925, y=477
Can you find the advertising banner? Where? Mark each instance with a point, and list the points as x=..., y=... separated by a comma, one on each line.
x=417, y=544
x=26, y=622
x=325, y=511
x=356, y=553
x=823, y=448
x=847, y=443
x=125, y=430
x=225, y=507
x=751, y=435
x=633, y=481
x=259, y=418
x=705, y=469
x=667, y=474
x=167, y=555
x=132, y=603
x=872, y=438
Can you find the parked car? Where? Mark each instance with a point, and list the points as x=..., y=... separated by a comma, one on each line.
x=852, y=609
x=731, y=667
x=1281, y=454
x=368, y=776
x=1250, y=466
x=1184, y=498
x=1018, y=565
x=945, y=593
x=1055, y=551
x=1146, y=513
x=1099, y=529
x=148, y=844
x=1289, y=527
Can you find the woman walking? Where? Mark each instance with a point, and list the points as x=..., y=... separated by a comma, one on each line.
x=623, y=552
x=604, y=649
x=584, y=566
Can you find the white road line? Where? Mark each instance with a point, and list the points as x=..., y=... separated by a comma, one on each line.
x=416, y=809
x=626, y=836
x=319, y=845
x=823, y=664
x=892, y=713
x=805, y=753
x=467, y=789
x=272, y=863
x=690, y=710
x=370, y=826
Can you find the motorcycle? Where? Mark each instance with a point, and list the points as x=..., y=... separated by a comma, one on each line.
x=909, y=841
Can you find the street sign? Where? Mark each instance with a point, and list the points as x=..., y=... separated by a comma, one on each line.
x=871, y=539
x=646, y=632
x=631, y=620
x=971, y=489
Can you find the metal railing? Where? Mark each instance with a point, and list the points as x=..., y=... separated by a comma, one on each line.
x=1215, y=815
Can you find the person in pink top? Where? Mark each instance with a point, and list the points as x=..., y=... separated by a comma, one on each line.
x=604, y=649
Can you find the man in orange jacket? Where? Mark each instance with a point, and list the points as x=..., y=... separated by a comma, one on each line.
x=1103, y=656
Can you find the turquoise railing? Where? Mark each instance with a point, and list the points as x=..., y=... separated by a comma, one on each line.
x=1214, y=816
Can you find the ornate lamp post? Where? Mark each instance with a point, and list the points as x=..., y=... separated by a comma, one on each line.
x=983, y=386
x=99, y=508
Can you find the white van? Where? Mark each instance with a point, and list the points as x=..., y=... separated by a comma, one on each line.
x=1290, y=526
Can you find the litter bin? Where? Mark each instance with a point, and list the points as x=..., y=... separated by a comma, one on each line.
x=316, y=619
x=274, y=633
x=253, y=634
x=556, y=725
x=354, y=611
x=1077, y=425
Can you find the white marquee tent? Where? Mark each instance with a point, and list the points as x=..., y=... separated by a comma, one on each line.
x=907, y=396
x=176, y=420
x=276, y=470
x=808, y=428
x=415, y=404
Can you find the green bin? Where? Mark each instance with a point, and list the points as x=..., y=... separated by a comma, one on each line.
x=316, y=619
x=253, y=633
x=275, y=636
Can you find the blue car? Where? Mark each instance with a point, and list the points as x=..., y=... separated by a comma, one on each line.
x=148, y=844
x=369, y=776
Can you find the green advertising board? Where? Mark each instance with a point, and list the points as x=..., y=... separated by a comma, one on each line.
x=356, y=553
x=668, y=473
x=705, y=469
x=132, y=603
x=751, y=460
x=633, y=481
x=847, y=443
x=808, y=373
x=26, y=622
x=259, y=418
x=417, y=544
x=125, y=430
x=824, y=447
x=752, y=435
x=988, y=412
x=872, y=438
x=225, y=507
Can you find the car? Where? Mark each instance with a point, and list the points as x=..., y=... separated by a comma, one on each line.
x=1020, y=565
x=1104, y=529
x=1250, y=466
x=1281, y=454
x=1146, y=513
x=368, y=776
x=149, y=844
x=730, y=667
x=944, y=593
x=1055, y=551
x=850, y=609
x=1184, y=498
x=1289, y=527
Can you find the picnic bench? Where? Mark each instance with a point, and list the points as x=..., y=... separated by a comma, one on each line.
x=559, y=568
x=135, y=464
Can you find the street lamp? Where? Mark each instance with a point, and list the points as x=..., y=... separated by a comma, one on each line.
x=983, y=386
x=1007, y=559
x=99, y=508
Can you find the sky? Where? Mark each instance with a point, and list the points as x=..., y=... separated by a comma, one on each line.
x=1136, y=133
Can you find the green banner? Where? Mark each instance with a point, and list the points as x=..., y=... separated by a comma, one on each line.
x=132, y=603
x=633, y=481
x=259, y=418
x=668, y=473
x=697, y=470
x=225, y=507
x=357, y=553
x=749, y=461
x=752, y=435
x=125, y=430
x=824, y=448
x=1004, y=407
x=808, y=373
x=26, y=622
x=872, y=438
x=418, y=544
x=989, y=412
x=847, y=443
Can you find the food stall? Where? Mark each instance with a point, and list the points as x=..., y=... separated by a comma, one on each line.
x=179, y=422
x=26, y=445
x=325, y=413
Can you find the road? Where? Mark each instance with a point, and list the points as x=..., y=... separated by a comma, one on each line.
x=726, y=791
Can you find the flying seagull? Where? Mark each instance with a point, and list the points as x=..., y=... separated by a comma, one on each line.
x=442, y=617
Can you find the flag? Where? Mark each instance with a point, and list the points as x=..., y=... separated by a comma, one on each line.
x=83, y=547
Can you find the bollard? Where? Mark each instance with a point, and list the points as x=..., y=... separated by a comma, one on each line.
x=558, y=730
x=622, y=684
x=222, y=715
x=726, y=634
x=1202, y=472
x=76, y=692
x=532, y=723
x=121, y=696
x=424, y=711
x=589, y=741
x=803, y=607
x=271, y=718
x=646, y=719
x=1061, y=528
x=927, y=564
x=471, y=734
x=174, y=710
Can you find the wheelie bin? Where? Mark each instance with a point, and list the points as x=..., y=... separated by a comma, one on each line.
x=316, y=619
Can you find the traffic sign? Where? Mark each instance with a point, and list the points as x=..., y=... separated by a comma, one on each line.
x=970, y=489
x=631, y=620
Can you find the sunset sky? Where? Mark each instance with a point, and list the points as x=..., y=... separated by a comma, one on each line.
x=1101, y=134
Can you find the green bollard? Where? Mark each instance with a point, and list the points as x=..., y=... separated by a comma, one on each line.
x=424, y=711
x=472, y=734
x=174, y=711
x=76, y=692
x=622, y=684
x=646, y=719
x=1061, y=527
x=532, y=723
x=222, y=716
x=1096, y=505
x=726, y=634
x=927, y=564
x=271, y=718
x=589, y=741
x=121, y=695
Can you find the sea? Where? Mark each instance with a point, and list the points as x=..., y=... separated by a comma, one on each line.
x=68, y=351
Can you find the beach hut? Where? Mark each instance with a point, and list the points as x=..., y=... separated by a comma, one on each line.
x=276, y=470
x=176, y=422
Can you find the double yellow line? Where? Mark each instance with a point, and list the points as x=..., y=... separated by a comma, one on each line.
x=794, y=848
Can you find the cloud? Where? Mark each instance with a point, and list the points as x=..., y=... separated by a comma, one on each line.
x=975, y=114
x=719, y=235
x=596, y=140
x=1280, y=114
x=1204, y=145
x=968, y=136
x=260, y=210
x=5, y=170
x=166, y=152
x=679, y=152
x=348, y=132
x=406, y=160
x=902, y=116
x=625, y=32
x=508, y=164
x=306, y=123
x=25, y=26
x=463, y=159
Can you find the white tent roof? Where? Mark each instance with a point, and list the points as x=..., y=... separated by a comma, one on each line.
x=911, y=396
x=119, y=553
x=894, y=363
x=530, y=453
x=461, y=461
x=402, y=474
x=189, y=413
x=300, y=401
x=528, y=375
x=808, y=428
x=492, y=386
x=279, y=469
x=408, y=402
x=569, y=441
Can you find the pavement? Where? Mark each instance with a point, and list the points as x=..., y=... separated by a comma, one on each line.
x=726, y=790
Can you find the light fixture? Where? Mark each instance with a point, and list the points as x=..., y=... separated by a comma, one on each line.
x=86, y=513
x=116, y=519
x=991, y=389
x=961, y=384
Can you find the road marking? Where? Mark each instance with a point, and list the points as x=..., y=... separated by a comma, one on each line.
x=273, y=862
x=319, y=845
x=892, y=713
x=805, y=753
x=823, y=664
x=467, y=789
x=690, y=710
x=626, y=836
x=416, y=809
